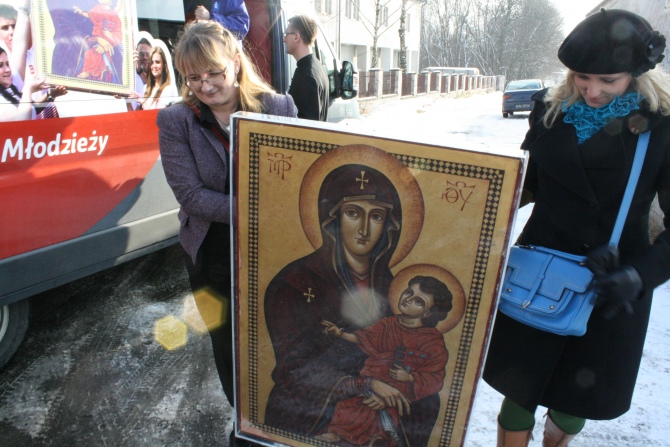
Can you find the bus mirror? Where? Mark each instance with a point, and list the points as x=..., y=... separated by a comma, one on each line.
x=349, y=79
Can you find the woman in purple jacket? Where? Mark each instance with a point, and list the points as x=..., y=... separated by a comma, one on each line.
x=194, y=146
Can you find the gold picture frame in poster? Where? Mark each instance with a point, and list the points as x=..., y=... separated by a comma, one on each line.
x=85, y=44
x=366, y=276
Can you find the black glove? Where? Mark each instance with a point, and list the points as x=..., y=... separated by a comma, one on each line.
x=603, y=260
x=617, y=287
x=618, y=290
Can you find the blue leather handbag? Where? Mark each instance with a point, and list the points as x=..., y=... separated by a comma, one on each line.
x=550, y=290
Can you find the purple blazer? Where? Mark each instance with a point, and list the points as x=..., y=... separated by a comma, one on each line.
x=194, y=161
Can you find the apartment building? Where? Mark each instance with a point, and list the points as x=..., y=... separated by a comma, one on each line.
x=350, y=26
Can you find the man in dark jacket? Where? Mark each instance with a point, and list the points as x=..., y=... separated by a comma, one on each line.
x=310, y=87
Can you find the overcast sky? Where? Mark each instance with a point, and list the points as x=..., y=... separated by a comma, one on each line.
x=574, y=11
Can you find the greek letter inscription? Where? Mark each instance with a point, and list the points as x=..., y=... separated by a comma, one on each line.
x=279, y=163
x=458, y=192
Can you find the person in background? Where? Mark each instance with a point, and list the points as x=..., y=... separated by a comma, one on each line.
x=310, y=86
x=160, y=89
x=194, y=145
x=232, y=14
x=8, y=18
x=582, y=140
x=142, y=59
x=16, y=105
x=7, y=26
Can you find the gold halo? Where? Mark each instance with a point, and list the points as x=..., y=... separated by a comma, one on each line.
x=411, y=199
x=399, y=285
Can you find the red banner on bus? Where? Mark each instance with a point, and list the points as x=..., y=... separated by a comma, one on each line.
x=59, y=177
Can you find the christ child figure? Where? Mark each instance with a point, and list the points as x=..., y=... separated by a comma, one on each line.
x=406, y=362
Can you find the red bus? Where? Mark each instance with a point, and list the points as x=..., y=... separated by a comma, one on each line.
x=86, y=191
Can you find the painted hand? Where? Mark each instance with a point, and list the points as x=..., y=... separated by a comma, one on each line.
x=391, y=396
x=331, y=329
x=401, y=375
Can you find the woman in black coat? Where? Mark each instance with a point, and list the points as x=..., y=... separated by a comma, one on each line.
x=581, y=144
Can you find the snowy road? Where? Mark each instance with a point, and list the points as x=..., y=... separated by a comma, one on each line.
x=475, y=122
x=90, y=372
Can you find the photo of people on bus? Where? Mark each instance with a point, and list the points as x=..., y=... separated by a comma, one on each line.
x=161, y=87
x=142, y=60
x=25, y=95
x=82, y=47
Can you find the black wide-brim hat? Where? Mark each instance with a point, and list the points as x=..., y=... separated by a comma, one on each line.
x=612, y=41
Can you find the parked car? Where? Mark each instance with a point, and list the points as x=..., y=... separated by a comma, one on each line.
x=516, y=97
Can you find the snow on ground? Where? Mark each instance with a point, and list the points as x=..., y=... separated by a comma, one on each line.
x=477, y=123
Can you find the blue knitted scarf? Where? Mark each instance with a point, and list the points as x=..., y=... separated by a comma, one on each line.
x=588, y=120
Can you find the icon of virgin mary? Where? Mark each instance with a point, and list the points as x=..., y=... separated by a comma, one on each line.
x=361, y=218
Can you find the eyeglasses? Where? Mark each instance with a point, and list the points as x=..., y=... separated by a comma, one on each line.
x=195, y=81
x=143, y=53
x=288, y=34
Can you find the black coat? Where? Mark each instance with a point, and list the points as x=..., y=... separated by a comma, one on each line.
x=577, y=192
x=310, y=89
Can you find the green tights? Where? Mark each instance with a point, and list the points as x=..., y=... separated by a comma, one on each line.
x=513, y=417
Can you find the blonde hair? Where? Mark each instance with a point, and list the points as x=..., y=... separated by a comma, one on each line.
x=654, y=85
x=206, y=46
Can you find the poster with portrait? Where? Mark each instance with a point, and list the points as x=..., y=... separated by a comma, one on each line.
x=366, y=277
x=85, y=44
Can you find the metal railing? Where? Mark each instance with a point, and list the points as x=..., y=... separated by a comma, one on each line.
x=390, y=82
x=376, y=84
x=421, y=83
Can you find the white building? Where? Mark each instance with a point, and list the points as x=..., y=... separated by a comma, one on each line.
x=350, y=24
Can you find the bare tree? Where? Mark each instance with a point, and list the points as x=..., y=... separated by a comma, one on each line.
x=536, y=40
x=375, y=35
x=375, y=27
x=515, y=38
x=402, y=55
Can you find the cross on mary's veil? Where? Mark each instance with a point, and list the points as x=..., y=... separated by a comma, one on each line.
x=362, y=179
x=309, y=295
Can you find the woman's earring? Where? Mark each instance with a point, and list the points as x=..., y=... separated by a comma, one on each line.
x=236, y=84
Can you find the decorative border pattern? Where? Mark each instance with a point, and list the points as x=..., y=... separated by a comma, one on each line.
x=495, y=178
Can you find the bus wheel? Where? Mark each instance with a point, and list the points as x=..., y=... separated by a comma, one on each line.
x=13, y=327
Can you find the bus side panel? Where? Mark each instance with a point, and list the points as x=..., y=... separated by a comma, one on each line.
x=79, y=195
x=60, y=177
x=30, y=273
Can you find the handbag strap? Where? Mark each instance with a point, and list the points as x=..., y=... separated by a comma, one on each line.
x=638, y=160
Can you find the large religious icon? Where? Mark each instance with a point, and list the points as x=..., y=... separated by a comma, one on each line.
x=367, y=271
x=85, y=44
